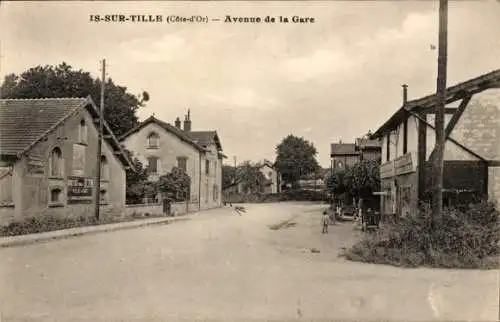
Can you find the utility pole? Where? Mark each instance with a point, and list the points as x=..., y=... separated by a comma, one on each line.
x=437, y=182
x=234, y=161
x=99, y=144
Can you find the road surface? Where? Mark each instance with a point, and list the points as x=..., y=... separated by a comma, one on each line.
x=223, y=266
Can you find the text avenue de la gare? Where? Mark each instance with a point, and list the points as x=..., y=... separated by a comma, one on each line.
x=198, y=19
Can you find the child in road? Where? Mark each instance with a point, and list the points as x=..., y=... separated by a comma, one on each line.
x=324, y=222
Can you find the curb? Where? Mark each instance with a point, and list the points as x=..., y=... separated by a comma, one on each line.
x=22, y=240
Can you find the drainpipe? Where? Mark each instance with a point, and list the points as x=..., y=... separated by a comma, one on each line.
x=199, y=184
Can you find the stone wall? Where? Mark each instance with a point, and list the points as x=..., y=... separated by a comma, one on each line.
x=494, y=184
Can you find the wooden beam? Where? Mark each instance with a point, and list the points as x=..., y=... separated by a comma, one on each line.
x=493, y=163
x=447, y=110
x=456, y=117
x=453, y=122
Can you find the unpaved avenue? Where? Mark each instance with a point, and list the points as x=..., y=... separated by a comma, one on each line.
x=224, y=266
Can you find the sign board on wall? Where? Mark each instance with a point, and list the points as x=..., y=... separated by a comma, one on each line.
x=80, y=189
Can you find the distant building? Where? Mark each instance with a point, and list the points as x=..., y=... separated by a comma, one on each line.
x=48, y=157
x=162, y=146
x=272, y=176
x=472, y=147
x=343, y=155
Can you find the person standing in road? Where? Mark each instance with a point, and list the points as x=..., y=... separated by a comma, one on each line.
x=324, y=222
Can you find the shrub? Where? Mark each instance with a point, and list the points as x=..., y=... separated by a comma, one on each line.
x=466, y=238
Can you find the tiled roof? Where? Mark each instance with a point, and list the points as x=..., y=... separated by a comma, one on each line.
x=366, y=143
x=343, y=149
x=204, y=138
x=24, y=121
x=167, y=127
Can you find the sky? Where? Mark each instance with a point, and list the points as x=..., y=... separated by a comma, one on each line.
x=326, y=81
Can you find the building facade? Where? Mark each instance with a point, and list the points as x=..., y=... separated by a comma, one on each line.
x=472, y=147
x=344, y=155
x=272, y=177
x=162, y=146
x=48, y=150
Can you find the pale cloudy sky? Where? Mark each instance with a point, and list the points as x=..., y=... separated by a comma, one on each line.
x=256, y=83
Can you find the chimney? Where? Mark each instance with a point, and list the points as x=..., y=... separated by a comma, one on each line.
x=178, y=123
x=187, y=122
x=405, y=94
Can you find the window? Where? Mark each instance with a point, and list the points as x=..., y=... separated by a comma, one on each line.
x=56, y=163
x=207, y=166
x=104, y=168
x=206, y=191
x=6, y=188
x=55, y=195
x=182, y=163
x=405, y=136
x=270, y=174
x=215, y=192
x=388, y=147
x=82, y=132
x=153, y=165
x=103, y=196
x=153, y=141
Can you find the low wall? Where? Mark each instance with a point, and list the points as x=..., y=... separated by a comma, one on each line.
x=176, y=209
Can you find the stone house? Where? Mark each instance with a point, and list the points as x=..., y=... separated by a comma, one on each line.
x=472, y=147
x=48, y=160
x=272, y=176
x=343, y=155
x=161, y=146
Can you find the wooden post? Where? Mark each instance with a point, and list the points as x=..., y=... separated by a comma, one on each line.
x=99, y=145
x=437, y=180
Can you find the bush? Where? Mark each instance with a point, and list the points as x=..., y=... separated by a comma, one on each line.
x=466, y=238
x=43, y=224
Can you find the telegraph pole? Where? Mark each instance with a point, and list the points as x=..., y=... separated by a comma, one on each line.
x=437, y=182
x=99, y=144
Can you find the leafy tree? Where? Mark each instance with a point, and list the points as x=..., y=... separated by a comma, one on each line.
x=120, y=106
x=228, y=176
x=335, y=182
x=250, y=177
x=363, y=178
x=175, y=185
x=296, y=157
x=138, y=186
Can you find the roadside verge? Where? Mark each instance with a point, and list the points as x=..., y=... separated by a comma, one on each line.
x=21, y=240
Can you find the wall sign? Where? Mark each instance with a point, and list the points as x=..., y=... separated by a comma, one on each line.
x=80, y=189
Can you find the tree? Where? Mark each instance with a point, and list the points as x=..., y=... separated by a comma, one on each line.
x=228, y=176
x=175, y=185
x=363, y=178
x=335, y=183
x=250, y=177
x=138, y=186
x=296, y=157
x=62, y=81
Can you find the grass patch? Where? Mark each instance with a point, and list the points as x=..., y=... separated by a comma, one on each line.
x=466, y=238
x=48, y=223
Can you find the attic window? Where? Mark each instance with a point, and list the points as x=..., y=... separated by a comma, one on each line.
x=153, y=141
